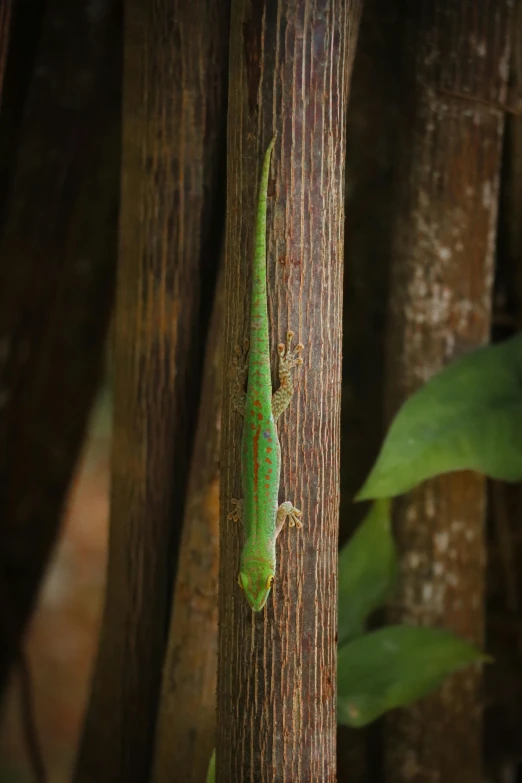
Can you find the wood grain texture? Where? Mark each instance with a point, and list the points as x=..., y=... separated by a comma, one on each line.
x=442, y=271
x=57, y=263
x=170, y=234
x=185, y=731
x=290, y=65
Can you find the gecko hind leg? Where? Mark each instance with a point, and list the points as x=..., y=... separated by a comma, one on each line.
x=288, y=358
x=239, y=372
x=287, y=509
x=237, y=511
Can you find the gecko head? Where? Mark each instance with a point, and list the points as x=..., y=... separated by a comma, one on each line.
x=256, y=580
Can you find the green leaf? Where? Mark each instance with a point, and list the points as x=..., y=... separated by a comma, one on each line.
x=211, y=773
x=468, y=417
x=395, y=666
x=367, y=571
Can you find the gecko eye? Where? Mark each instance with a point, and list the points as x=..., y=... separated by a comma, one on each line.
x=269, y=582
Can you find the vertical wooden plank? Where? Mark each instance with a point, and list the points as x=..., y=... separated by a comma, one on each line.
x=290, y=66
x=170, y=232
x=5, y=24
x=372, y=171
x=503, y=679
x=442, y=270
x=186, y=724
x=59, y=168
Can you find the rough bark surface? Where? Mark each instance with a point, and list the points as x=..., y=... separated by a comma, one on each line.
x=57, y=262
x=289, y=72
x=175, y=57
x=442, y=269
x=185, y=732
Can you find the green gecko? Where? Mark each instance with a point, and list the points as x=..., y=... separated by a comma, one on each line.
x=259, y=511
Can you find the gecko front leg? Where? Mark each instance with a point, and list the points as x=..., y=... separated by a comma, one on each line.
x=285, y=510
x=288, y=358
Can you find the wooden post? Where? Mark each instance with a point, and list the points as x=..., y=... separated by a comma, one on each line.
x=290, y=66
x=455, y=58
x=170, y=236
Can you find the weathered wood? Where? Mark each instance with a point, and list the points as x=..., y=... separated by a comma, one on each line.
x=170, y=233
x=185, y=731
x=290, y=66
x=442, y=270
x=57, y=262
